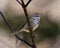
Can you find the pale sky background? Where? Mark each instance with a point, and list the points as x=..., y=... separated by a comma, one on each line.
x=50, y=7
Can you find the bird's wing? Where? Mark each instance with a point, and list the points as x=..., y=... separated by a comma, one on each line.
x=21, y=26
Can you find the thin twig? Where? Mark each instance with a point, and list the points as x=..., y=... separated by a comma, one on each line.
x=23, y=5
x=27, y=18
x=22, y=2
x=13, y=30
x=28, y=3
x=19, y=2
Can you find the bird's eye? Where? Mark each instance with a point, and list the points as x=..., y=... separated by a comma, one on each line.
x=36, y=15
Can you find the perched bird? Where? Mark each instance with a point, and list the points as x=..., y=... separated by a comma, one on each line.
x=34, y=21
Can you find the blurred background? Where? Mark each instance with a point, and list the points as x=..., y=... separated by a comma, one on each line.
x=48, y=33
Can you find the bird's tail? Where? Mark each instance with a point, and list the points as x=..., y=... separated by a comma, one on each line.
x=22, y=30
x=17, y=32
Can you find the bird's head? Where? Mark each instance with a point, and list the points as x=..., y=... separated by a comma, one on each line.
x=36, y=15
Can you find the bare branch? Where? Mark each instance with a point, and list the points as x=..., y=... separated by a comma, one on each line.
x=28, y=3
x=30, y=27
x=7, y=22
x=23, y=40
x=29, y=24
x=22, y=1
x=23, y=4
x=27, y=19
x=19, y=2
x=13, y=30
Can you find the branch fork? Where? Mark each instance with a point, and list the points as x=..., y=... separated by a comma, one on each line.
x=23, y=4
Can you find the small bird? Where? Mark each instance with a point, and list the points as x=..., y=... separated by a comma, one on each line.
x=34, y=21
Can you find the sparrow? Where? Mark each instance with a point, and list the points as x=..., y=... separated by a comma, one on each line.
x=34, y=21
